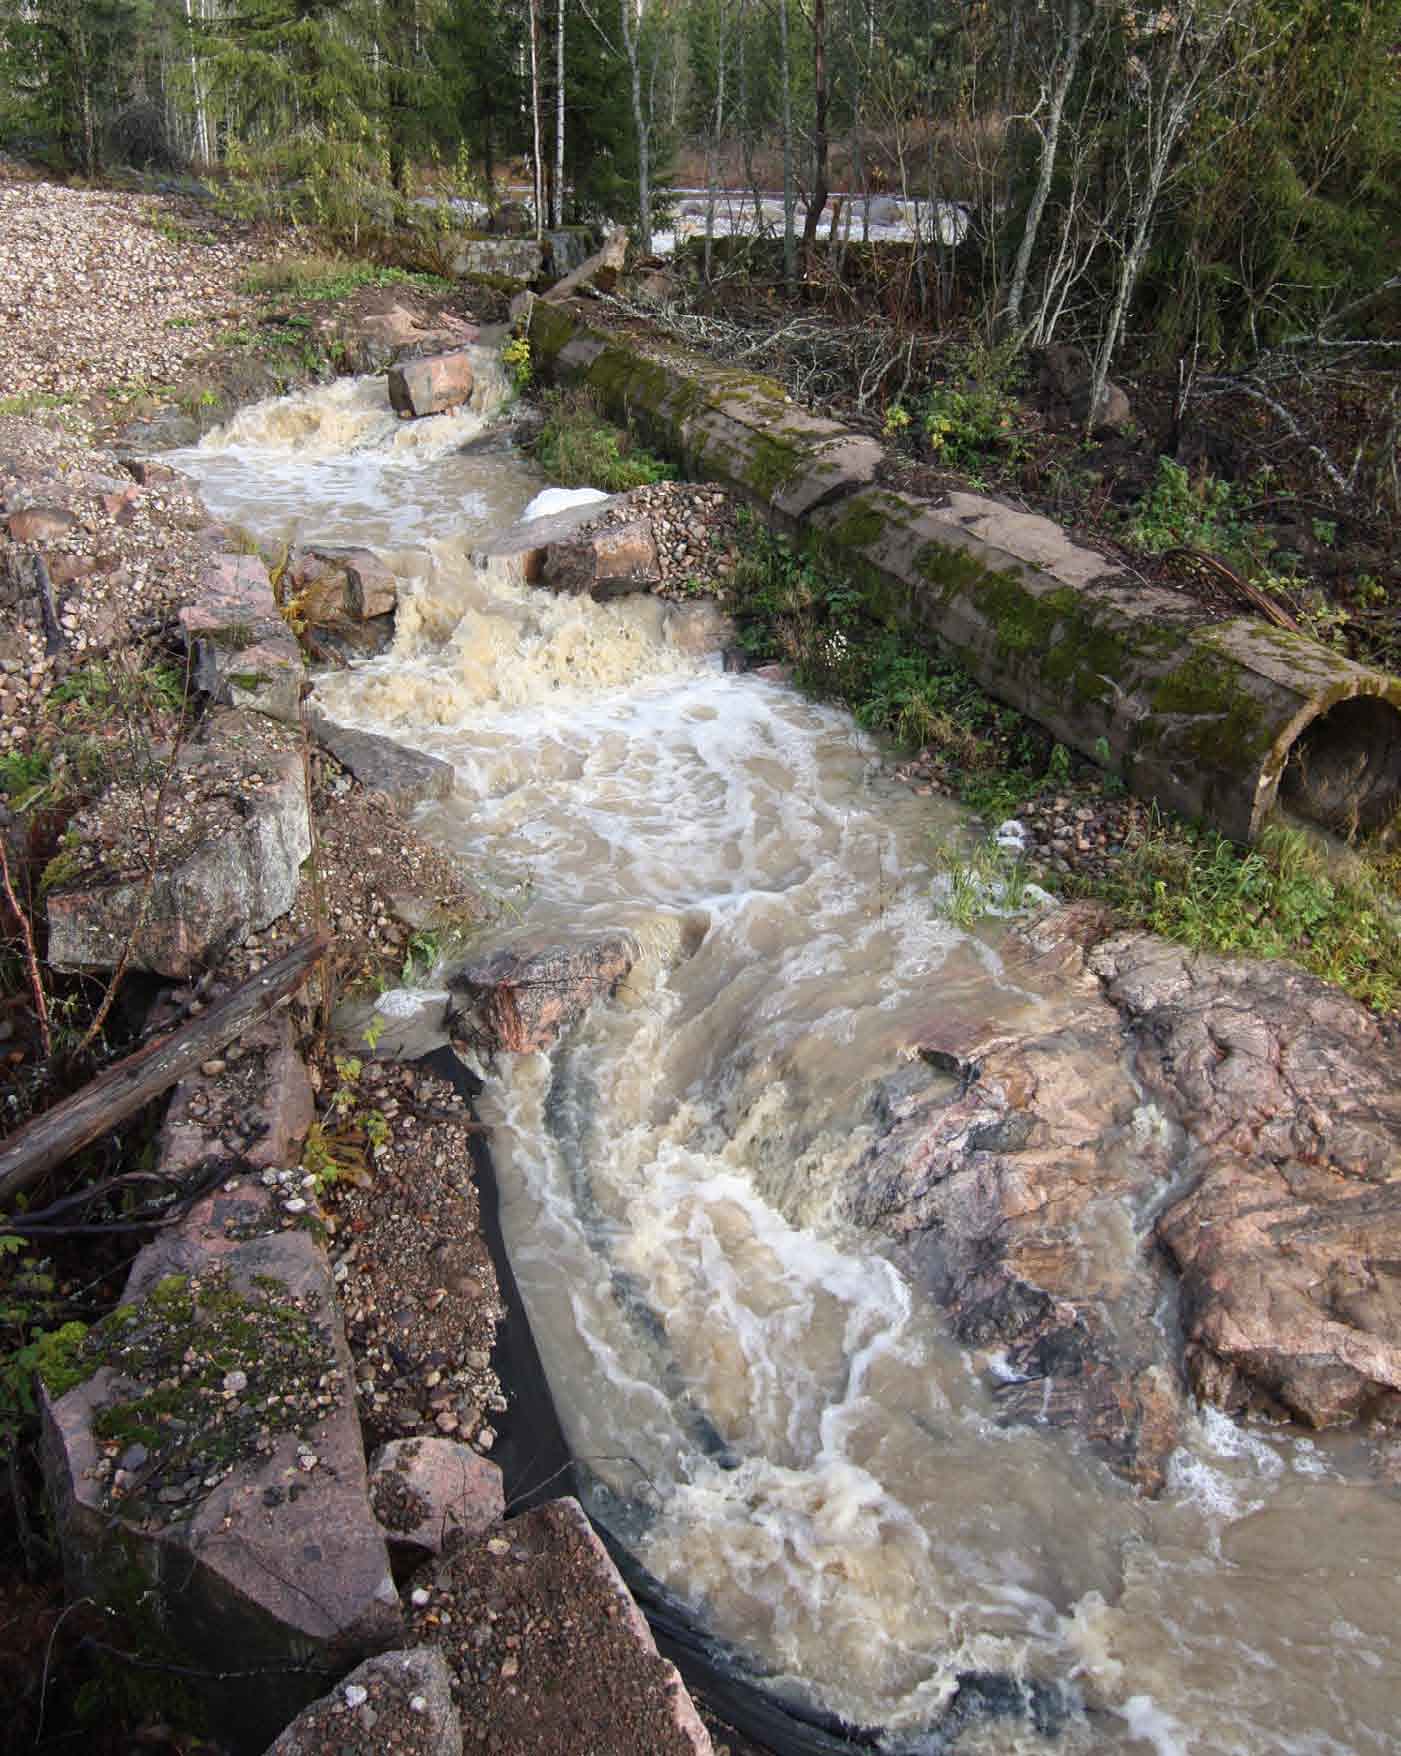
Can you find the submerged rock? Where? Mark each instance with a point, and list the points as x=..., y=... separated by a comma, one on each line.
x=1017, y=1196
x=528, y=995
x=1289, y=1242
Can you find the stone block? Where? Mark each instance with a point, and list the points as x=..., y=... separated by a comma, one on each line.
x=517, y=554
x=430, y=385
x=406, y=776
x=243, y=651
x=430, y=1493
x=222, y=871
x=394, y=1701
x=527, y=995
x=234, y=1520
x=606, y=563
x=343, y=581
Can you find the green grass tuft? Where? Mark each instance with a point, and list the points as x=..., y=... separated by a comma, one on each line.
x=326, y=277
x=578, y=448
x=1334, y=915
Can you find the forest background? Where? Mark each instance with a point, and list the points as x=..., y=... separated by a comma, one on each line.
x=1218, y=177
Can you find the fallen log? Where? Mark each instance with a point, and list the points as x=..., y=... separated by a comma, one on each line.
x=43, y=1144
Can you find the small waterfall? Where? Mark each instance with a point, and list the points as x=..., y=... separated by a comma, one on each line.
x=775, y=1414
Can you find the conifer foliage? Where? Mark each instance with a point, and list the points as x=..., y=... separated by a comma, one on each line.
x=1216, y=177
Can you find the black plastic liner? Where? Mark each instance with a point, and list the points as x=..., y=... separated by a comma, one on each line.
x=537, y=1466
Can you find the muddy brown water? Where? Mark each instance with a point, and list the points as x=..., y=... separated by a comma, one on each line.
x=775, y=1417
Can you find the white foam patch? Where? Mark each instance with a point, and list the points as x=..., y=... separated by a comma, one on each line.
x=1153, y=1725
x=550, y=500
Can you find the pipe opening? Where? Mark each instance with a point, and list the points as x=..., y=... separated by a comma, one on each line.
x=1344, y=770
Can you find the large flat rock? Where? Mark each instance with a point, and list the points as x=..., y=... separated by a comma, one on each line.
x=243, y=653
x=229, y=831
x=1289, y=1240
x=1012, y=1190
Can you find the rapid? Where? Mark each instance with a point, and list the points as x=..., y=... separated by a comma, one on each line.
x=773, y=1414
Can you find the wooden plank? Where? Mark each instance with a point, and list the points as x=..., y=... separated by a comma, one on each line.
x=46, y=1142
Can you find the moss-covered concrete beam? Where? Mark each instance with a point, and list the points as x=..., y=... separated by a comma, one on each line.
x=1215, y=719
x=732, y=426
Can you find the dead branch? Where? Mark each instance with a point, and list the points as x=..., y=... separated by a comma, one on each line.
x=31, y=961
x=46, y=1142
x=1243, y=588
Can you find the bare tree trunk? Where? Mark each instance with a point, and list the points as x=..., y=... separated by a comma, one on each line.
x=204, y=140
x=790, y=198
x=557, y=208
x=723, y=24
x=539, y=163
x=1172, y=94
x=819, y=127
x=1050, y=146
x=632, y=45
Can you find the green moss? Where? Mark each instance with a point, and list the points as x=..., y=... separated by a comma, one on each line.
x=859, y=529
x=771, y=465
x=60, y=1358
x=550, y=330
x=950, y=570
x=172, y=1354
x=1206, y=687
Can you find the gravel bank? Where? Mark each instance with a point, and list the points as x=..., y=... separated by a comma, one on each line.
x=102, y=291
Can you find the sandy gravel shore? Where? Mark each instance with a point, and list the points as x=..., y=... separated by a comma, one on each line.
x=104, y=291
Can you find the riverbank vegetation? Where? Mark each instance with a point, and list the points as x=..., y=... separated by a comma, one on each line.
x=1334, y=911
x=578, y=448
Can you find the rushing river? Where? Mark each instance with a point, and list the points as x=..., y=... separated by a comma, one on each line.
x=776, y=1418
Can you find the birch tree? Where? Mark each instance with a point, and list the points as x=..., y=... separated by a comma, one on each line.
x=1173, y=62
x=1052, y=101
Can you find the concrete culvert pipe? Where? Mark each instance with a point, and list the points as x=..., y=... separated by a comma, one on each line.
x=1215, y=719
x=1344, y=768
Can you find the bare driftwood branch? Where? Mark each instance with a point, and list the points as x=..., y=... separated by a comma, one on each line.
x=50, y=1139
